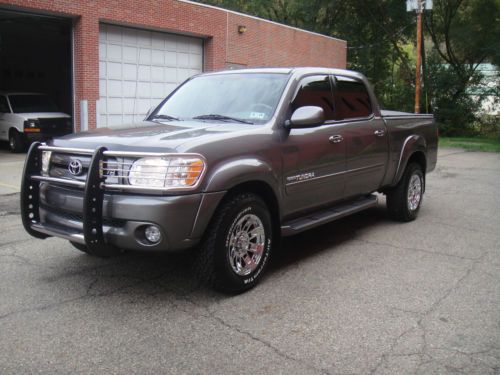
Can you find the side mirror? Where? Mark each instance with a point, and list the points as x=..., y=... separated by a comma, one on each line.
x=305, y=117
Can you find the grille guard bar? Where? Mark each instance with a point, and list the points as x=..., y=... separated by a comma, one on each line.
x=94, y=188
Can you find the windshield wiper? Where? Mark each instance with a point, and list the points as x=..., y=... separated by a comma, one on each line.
x=165, y=117
x=221, y=118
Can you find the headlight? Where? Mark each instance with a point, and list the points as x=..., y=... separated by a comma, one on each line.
x=166, y=172
x=46, y=161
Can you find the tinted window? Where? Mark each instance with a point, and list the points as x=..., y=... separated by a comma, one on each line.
x=4, y=107
x=32, y=103
x=315, y=91
x=351, y=99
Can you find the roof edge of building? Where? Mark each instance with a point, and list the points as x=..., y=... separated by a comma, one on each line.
x=261, y=19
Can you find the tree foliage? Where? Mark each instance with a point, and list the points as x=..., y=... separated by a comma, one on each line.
x=461, y=34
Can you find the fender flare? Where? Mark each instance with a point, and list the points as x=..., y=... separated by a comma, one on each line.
x=235, y=172
x=412, y=144
x=226, y=176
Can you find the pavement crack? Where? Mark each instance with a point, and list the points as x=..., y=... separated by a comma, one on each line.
x=211, y=315
x=415, y=249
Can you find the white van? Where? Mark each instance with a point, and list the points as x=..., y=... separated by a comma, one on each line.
x=26, y=117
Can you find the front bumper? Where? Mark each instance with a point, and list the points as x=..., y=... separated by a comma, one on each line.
x=97, y=218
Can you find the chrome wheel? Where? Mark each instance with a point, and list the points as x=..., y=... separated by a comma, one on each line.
x=12, y=142
x=246, y=244
x=414, y=192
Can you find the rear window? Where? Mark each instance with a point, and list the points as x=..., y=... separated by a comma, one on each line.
x=32, y=103
x=351, y=99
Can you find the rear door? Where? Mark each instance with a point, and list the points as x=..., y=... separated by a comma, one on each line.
x=365, y=137
x=314, y=158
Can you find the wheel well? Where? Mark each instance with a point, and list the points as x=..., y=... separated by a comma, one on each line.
x=419, y=158
x=264, y=191
x=11, y=130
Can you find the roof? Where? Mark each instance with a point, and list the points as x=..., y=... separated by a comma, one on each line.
x=290, y=70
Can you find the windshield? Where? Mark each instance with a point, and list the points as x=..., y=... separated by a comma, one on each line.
x=233, y=97
x=32, y=103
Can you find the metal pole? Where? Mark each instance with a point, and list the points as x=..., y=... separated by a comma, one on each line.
x=419, y=60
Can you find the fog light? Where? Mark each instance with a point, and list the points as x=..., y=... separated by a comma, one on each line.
x=152, y=234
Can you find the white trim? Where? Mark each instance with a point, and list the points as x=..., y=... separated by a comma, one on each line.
x=261, y=19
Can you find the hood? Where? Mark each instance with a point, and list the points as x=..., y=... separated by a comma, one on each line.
x=150, y=136
x=36, y=115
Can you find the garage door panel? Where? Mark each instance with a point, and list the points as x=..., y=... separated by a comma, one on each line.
x=145, y=56
x=158, y=40
x=170, y=58
x=114, y=70
x=144, y=38
x=102, y=87
x=114, y=52
x=144, y=73
x=130, y=72
x=144, y=90
x=128, y=106
x=138, y=68
x=129, y=88
x=171, y=75
x=157, y=57
x=114, y=89
x=102, y=50
x=157, y=74
x=130, y=54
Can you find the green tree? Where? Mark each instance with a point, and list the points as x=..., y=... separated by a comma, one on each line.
x=381, y=39
x=465, y=34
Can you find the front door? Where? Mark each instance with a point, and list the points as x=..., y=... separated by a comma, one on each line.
x=314, y=158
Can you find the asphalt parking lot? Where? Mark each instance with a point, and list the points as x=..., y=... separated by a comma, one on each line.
x=363, y=295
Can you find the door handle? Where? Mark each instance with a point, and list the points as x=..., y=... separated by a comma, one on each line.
x=379, y=132
x=336, y=139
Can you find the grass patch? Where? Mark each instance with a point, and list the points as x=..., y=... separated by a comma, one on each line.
x=471, y=144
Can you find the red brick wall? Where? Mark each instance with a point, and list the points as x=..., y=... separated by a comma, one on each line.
x=263, y=44
x=271, y=44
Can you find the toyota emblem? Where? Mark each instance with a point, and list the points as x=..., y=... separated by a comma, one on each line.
x=75, y=167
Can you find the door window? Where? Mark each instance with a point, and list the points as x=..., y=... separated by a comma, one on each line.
x=315, y=91
x=351, y=99
x=4, y=106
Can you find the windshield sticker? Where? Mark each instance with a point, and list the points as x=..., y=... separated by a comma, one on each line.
x=257, y=115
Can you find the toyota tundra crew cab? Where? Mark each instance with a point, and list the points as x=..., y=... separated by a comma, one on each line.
x=226, y=164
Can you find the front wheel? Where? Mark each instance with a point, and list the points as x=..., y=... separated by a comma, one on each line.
x=237, y=245
x=405, y=199
x=16, y=142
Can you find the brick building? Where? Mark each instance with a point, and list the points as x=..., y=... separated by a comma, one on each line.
x=107, y=61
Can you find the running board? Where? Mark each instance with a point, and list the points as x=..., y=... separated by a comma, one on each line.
x=327, y=215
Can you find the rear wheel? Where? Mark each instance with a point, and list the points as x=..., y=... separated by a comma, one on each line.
x=237, y=245
x=16, y=142
x=405, y=199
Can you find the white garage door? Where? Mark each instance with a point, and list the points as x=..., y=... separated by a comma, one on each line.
x=138, y=68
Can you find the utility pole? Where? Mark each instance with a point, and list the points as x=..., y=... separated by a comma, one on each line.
x=418, y=6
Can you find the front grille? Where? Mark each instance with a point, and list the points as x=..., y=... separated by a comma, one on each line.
x=55, y=126
x=60, y=167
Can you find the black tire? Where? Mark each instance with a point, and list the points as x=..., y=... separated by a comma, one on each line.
x=16, y=142
x=102, y=254
x=397, y=198
x=213, y=262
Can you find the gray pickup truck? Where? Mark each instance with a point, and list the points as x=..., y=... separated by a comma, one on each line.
x=226, y=164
